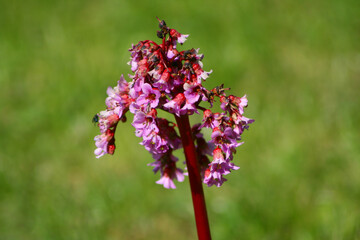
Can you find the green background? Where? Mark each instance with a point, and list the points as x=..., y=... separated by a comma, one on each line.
x=297, y=61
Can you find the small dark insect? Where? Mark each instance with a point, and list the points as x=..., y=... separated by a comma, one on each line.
x=95, y=119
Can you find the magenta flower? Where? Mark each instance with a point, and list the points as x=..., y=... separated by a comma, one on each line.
x=157, y=72
x=118, y=99
x=169, y=174
x=180, y=38
x=193, y=92
x=166, y=79
x=105, y=143
x=164, y=82
x=174, y=106
x=150, y=96
x=107, y=119
x=144, y=123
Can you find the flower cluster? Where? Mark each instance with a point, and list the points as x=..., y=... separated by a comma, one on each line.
x=170, y=80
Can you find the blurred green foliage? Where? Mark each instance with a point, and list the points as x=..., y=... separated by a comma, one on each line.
x=297, y=61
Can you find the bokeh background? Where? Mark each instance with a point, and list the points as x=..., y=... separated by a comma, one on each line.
x=297, y=61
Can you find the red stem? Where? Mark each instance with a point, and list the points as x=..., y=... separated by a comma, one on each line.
x=201, y=218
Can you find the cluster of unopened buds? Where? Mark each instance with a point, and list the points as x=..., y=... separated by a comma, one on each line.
x=170, y=80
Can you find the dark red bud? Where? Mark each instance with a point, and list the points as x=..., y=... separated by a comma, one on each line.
x=207, y=172
x=223, y=99
x=111, y=148
x=109, y=133
x=179, y=98
x=196, y=66
x=174, y=33
x=153, y=113
x=216, y=129
x=207, y=113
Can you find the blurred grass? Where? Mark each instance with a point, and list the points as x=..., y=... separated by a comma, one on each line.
x=298, y=62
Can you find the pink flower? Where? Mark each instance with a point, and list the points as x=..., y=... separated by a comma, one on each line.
x=174, y=106
x=188, y=108
x=164, y=84
x=107, y=119
x=105, y=143
x=193, y=92
x=169, y=174
x=200, y=73
x=218, y=156
x=171, y=80
x=157, y=72
x=145, y=123
x=180, y=38
x=211, y=120
x=149, y=97
x=172, y=52
x=118, y=97
x=218, y=168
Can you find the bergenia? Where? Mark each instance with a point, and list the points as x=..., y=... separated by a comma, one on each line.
x=167, y=79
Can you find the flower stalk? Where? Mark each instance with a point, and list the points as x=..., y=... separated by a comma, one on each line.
x=197, y=193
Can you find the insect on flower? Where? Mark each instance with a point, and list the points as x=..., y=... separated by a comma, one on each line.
x=95, y=119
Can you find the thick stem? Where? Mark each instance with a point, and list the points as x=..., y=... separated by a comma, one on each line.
x=201, y=218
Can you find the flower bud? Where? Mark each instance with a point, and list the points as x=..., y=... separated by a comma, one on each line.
x=174, y=33
x=111, y=148
x=113, y=120
x=207, y=113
